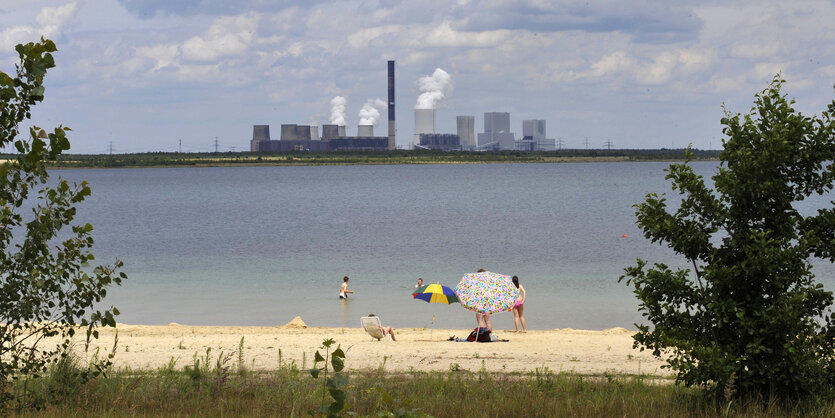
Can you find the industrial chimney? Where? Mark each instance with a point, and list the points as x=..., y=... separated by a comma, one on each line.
x=391, y=105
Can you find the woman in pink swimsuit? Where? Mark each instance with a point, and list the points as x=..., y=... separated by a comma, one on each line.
x=519, y=307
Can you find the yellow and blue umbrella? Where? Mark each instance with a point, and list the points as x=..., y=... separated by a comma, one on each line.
x=435, y=293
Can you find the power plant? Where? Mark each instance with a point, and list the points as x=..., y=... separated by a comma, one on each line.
x=435, y=89
x=306, y=137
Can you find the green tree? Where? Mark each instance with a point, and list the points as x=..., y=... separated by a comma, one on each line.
x=749, y=318
x=47, y=287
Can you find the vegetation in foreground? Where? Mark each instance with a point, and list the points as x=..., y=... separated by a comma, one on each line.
x=748, y=319
x=222, y=385
x=47, y=286
x=173, y=159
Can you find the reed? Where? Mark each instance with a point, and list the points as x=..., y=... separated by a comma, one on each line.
x=286, y=392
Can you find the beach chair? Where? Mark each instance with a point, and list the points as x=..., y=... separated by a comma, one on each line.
x=373, y=326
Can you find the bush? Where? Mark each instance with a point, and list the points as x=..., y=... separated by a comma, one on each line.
x=748, y=319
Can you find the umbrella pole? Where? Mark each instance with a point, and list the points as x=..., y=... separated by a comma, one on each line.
x=432, y=326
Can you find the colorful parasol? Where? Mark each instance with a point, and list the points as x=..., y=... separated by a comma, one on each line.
x=487, y=292
x=435, y=293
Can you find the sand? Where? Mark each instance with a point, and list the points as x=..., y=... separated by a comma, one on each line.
x=560, y=350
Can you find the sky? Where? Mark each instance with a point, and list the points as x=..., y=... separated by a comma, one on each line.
x=160, y=75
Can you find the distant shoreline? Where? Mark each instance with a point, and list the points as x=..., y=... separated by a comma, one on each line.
x=398, y=157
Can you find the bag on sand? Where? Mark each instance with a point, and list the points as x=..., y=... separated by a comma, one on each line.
x=483, y=335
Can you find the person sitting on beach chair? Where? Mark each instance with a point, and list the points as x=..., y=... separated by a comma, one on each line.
x=375, y=329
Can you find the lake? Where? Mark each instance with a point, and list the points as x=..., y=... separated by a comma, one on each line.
x=260, y=245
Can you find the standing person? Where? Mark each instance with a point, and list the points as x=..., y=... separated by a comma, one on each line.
x=483, y=319
x=343, y=290
x=519, y=307
x=419, y=283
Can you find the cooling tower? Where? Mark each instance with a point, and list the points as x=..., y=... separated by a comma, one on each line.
x=314, y=132
x=365, y=130
x=303, y=132
x=329, y=132
x=293, y=132
x=424, y=123
x=391, y=105
x=260, y=132
x=342, y=130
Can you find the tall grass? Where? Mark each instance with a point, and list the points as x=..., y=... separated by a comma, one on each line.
x=286, y=392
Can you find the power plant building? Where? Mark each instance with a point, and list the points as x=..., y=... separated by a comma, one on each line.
x=533, y=137
x=446, y=142
x=497, y=135
x=305, y=138
x=424, y=123
x=466, y=131
x=260, y=133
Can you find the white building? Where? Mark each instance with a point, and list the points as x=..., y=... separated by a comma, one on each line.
x=497, y=132
x=533, y=136
x=466, y=131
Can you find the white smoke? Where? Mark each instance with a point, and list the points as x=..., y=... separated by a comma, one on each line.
x=434, y=89
x=338, y=110
x=370, y=112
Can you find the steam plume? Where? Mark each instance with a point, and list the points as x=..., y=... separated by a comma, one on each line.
x=434, y=89
x=338, y=110
x=370, y=113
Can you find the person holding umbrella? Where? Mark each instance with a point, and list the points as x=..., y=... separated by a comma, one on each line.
x=519, y=306
x=483, y=319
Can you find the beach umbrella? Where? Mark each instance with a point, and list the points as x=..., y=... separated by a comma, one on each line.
x=487, y=292
x=435, y=293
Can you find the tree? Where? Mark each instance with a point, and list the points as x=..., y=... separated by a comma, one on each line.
x=749, y=318
x=47, y=287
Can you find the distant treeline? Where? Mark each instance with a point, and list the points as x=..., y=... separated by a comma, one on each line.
x=173, y=159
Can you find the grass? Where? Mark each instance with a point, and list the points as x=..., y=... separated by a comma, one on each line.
x=210, y=386
x=219, y=384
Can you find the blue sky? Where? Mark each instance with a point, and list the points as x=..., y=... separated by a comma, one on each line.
x=143, y=75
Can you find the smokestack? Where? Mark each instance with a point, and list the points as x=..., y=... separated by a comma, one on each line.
x=391, y=105
x=365, y=130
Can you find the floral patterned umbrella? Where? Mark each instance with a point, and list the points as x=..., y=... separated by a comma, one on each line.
x=487, y=292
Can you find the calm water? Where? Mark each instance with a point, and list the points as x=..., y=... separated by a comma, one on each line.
x=260, y=245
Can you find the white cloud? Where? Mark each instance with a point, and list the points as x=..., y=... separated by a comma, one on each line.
x=365, y=37
x=51, y=21
x=663, y=68
x=163, y=56
x=227, y=36
x=445, y=36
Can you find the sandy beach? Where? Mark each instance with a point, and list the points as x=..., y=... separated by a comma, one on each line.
x=567, y=350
